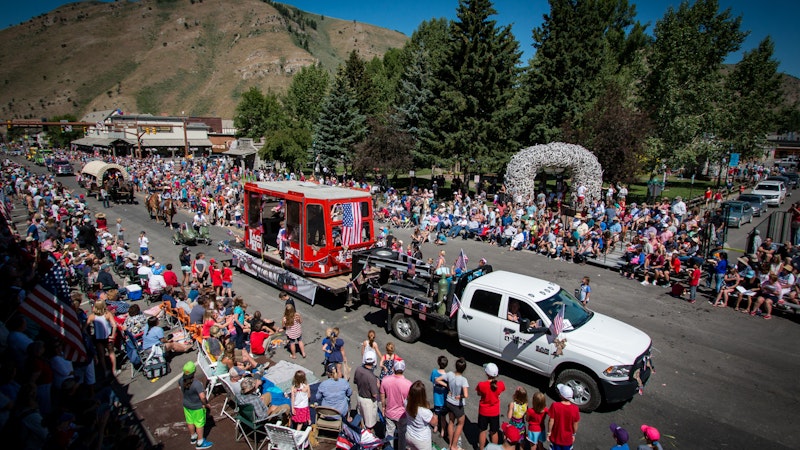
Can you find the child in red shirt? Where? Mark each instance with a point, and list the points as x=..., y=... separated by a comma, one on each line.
x=257, y=338
x=694, y=281
x=564, y=418
x=489, y=391
x=535, y=417
x=216, y=277
x=227, y=279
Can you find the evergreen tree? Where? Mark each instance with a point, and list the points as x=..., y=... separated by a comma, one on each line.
x=361, y=84
x=340, y=126
x=414, y=94
x=581, y=47
x=752, y=97
x=471, y=112
x=684, y=81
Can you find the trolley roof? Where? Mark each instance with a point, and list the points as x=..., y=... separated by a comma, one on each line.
x=311, y=190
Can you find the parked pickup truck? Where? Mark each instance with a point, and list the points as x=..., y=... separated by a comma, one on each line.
x=508, y=316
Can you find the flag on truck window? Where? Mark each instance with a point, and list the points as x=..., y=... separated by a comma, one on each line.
x=455, y=306
x=462, y=260
x=558, y=323
x=351, y=224
x=55, y=316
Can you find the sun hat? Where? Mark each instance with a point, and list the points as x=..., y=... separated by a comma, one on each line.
x=651, y=433
x=565, y=391
x=491, y=369
x=619, y=433
x=189, y=368
x=249, y=385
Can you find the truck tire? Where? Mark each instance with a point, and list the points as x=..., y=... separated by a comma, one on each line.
x=586, y=392
x=405, y=328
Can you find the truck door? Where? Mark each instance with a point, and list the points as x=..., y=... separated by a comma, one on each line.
x=530, y=348
x=479, y=322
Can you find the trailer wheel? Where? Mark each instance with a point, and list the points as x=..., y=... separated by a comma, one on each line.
x=405, y=328
x=585, y=389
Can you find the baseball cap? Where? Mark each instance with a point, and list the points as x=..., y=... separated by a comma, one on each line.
x=400, y=366
x=511, y=433
x=369, y=357
x=331, y=368
x=491, y=369
x=619, y=433
x=651, y=433
x=189, y=367
x=248, y=385
x=565, y=391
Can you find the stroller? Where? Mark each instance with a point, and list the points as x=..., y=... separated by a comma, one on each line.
x=185, y=235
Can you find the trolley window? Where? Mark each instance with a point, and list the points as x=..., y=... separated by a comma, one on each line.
x=315, y=226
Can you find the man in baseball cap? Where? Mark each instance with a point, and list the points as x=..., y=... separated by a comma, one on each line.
x=367, y=389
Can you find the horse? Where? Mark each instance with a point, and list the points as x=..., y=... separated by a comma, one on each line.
x=167, y=211
x=152, y=205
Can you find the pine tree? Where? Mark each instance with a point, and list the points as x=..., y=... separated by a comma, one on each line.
x=414, y=94
x=471, y=112
x=340, y=126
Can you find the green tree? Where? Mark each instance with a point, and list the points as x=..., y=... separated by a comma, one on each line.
x=752, y=98
x=414, y=94
x=257, y=114
x=684, y=82
x=361, y=84
x=340, y=126
x=306, y=93
x=61, y=138
x=580, y=47
x=471, y=112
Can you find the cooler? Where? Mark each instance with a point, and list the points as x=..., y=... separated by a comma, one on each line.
x=134, y=292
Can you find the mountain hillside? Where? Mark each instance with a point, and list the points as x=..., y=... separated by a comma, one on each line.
x=191, y=57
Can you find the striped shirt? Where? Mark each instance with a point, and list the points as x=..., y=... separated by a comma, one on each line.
x=296, y=329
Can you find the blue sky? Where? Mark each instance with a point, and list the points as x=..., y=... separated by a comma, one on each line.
x=778, y=18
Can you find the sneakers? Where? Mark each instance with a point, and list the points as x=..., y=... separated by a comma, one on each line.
x=655, y=283
x=205, y=444
x=645, y=283
x=193, y=440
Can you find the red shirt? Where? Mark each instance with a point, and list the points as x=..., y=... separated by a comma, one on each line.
x=489, y=405
x=216, y=277
x=227, y=275
x=695, y=281
x=564, y=419
x=535, y=419
x=171, y=279
x=257, y=339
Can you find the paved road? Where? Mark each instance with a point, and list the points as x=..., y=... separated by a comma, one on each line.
x=723, y=379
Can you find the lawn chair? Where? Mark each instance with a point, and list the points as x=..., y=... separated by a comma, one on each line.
x=170, y=316
x=230, y=401
x=208, y=371
x=251, y=430
x=328, y=419
x=134, y=353
x=285, y=438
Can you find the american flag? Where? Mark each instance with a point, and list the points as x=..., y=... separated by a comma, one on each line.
x=48, y=305
x=455, y=306
x=462, y=260
x=351, y=224
x=558, y=323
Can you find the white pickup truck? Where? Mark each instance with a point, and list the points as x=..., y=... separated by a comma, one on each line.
x=601, y=358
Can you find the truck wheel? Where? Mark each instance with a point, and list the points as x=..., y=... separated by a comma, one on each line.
x=405, y=328
x=585, y=389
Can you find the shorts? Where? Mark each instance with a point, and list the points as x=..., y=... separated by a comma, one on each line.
x=294, y=340
x=196, y=417
x=227, y=284
x=458, y=411
x=535, y=436
x=186, y=269
x=368, y=409
x=142, y=251
x=493, y=422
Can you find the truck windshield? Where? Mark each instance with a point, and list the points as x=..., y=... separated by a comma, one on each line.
x=575, y=315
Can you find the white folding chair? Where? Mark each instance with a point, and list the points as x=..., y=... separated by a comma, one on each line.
x=230, y=400
x=208, y=371
x=285, y=438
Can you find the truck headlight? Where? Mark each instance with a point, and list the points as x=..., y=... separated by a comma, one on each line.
x=618, y=371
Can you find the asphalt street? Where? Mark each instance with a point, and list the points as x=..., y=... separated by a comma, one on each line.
x=723, y=379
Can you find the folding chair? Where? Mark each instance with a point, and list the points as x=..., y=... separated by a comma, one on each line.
x=134, y=353
x=208, y=371
x=230, y=401
x=170, y=316
x=285, y=438
x=248, y=428
x=328, y=419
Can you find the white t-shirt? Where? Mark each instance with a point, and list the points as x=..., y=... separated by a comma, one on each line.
x=418, y=428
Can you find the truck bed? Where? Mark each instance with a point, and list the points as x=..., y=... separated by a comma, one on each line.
x=408, y=289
